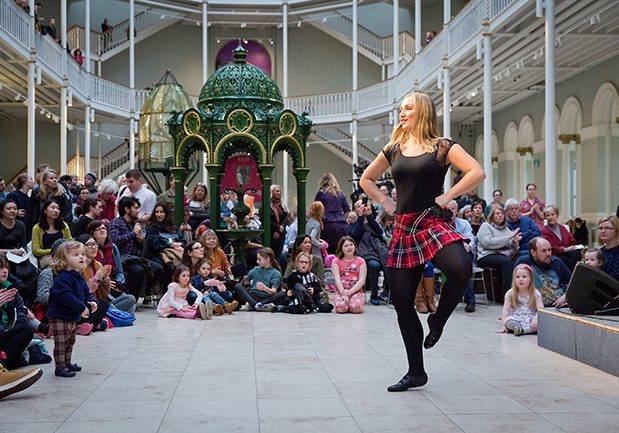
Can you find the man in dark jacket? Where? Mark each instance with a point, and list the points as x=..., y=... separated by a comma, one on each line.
x=371, y=247
x=528, y=229
x=550, y=273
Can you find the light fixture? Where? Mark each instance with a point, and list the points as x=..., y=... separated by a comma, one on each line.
x=198, y=23
x=48, y=115
x=299, y=24
x=271, y=41
x=108, y=137
x=70, y=99
x=218, y=41
x=69, y=127
x=243, y=25
x=324, y=20
x=280, y=25
x=42, y=111
x=55, y=118
x=245, y=41
x=162, y=17
x=96, y=134
x=25, y=102
x=473, y=94
x=17, y=97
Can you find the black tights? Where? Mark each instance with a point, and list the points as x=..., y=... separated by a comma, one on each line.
x=455, y=263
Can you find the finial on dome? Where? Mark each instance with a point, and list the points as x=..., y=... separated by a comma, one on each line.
x=240, y=53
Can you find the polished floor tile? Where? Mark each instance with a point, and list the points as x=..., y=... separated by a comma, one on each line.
x=269, y=373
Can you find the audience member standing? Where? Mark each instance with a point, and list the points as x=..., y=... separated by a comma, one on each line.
x=532, y=206
x=107, y=188
x=336, y=207
x=279, y=218
x=137, y=189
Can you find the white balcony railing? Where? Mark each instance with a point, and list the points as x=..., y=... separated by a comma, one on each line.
x=116, y=98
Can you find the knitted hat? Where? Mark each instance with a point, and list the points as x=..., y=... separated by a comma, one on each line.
x=56, y=244
x=91, y=176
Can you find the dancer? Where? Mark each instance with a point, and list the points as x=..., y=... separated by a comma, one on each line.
x=423, y=230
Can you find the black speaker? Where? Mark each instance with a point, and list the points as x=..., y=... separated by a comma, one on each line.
x=592, y=291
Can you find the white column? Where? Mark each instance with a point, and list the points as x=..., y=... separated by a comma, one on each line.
x=608, y=190
x=31, y=117
x=446, y=11
x=99, y=147
x=77, y=149
x=355, y=82
x=285, y=91
x=578, y=192
x=489, y=181
x=285, y=48
x=396, y=36
x=87, y=110
x=417, y=27
x=204, y=73
x=551, y=136
x=132, y=82
x=447, y=118
x=515, y=184
x=63, y=93
x=87, y=130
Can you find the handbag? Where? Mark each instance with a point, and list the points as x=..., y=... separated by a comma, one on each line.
x=118, y=317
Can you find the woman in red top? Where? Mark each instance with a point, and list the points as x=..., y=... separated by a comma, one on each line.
x=561, y=240
x=532, y=206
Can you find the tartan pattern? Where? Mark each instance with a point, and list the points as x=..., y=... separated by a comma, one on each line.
x=418, y=236
x=64, y=340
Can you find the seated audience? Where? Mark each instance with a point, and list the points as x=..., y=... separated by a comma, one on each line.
x=193, y=254
x=561, y=240
x=266, y=281
x=521, y=304
x=109, y=255
x=199, y=206
x=349, y=272
x=528, y=229
x=497, y=246
x=304, y=292
x=50, y=228
x=165, y=242
x=126, y=233
x=497, y=196
x=551, y=276
x=220, y=266
x=90, y=211
x=107, y=189
x=303, y=243
x=477, y=216
x=98, y=279
x=608, y=236
x=212, y=289
x=50, y=189
x=138, y=190
x=15, y=330
x=372, y=248
x=470, y=198
x=23, y=184
x=176, y=302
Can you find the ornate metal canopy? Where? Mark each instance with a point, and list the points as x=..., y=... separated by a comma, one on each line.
x=240, y=109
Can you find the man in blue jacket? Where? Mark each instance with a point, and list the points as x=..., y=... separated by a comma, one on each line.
x=550, y=273
x=528, y=229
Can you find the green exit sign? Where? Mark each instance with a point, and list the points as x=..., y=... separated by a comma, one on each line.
x=536, y=163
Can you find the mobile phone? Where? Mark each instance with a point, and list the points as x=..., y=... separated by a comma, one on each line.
x=364, y=201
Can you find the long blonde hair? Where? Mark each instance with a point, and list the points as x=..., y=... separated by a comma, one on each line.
x=513, y=292
x=47, y=193
x=425, y=128
x=328, y=183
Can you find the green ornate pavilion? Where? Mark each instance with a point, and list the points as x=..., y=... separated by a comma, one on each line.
x=240, y=110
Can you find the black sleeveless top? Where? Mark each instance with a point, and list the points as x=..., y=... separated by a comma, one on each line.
x=419, y=179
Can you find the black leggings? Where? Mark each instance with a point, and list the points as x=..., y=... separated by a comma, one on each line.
x=455, y=263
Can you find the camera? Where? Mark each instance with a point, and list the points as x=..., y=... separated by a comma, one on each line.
x=364, y=201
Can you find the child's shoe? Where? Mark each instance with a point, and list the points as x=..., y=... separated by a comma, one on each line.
x=64, y=372
x=84, y=329
x=230, y=307
x=74, y=367
x=219, y=310
x=206, y=310
x=101, y=326
x=518, y=331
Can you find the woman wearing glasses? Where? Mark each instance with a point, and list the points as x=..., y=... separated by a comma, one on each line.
x=608, y=237
x=108, y=255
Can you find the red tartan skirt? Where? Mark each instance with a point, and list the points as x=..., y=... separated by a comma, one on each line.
x=418, y=236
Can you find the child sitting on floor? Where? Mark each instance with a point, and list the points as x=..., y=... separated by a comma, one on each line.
x=177, y=303
x=521, y=304
x=304, y=291
x=213, y=289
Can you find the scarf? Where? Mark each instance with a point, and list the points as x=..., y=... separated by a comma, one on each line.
x=277, y=208
x=105, y=255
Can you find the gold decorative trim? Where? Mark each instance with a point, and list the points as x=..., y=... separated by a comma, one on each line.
x=293, y=141
x=191, y=130
x=293, y=120
x=244, y=135
x=181, y=148
x=522, y=151
x=568, y=138
x=239, y=111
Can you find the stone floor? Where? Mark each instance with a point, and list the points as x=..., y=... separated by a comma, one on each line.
x=262, y=372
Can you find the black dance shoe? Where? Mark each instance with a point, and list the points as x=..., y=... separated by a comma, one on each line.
x=409, y=381
x=435, y=333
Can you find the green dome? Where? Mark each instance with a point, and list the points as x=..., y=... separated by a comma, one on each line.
x=239, y=82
